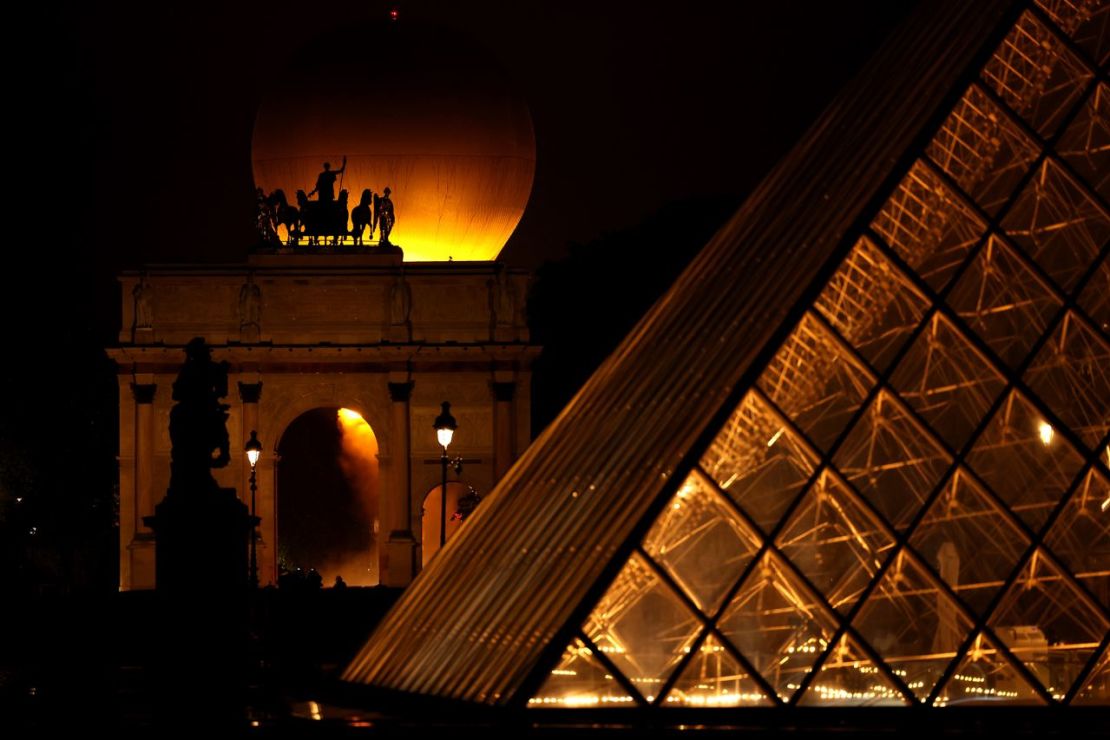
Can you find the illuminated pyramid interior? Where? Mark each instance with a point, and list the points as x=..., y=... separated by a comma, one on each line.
x=909, y=504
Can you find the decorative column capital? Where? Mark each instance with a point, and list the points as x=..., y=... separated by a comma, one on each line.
x=250, y=392
x=400, y=392
x=503, y=392
x=144, y=392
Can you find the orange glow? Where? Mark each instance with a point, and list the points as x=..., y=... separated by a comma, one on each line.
x=358, y=460
x=422, y=115
x=350, y=418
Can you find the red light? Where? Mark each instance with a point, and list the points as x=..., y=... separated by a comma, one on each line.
x=393, y=14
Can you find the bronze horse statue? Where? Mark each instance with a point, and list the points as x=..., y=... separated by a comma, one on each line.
x=284, y=214
x=362, y=216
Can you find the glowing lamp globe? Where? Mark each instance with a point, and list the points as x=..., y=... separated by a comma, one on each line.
x=413, y=109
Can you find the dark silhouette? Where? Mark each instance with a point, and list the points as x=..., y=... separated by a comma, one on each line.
x=362, y=216
x=337, y=218
x=285, y=214
x=314, y=581
x=265, y=220
x=339, y=583
x=198, y=430
x=324, y=220
x=384, y=217
x=325, y=182
x=201, y=573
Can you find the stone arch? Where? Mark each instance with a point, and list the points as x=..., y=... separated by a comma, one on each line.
x=429, y=508
x=332, y=487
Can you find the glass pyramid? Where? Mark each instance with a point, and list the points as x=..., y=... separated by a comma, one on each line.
x=898, y=494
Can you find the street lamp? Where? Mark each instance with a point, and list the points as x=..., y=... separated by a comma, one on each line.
x=253, y=449
x=445, y=426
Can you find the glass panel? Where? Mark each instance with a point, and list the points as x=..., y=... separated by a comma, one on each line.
x=1048, y=625
x=701, y=543
x=1086, y=21
x=1058, y=223
x=1085, y=144
x=713, y=678
x=982, y=150
x=1096, y=687
x=986, y=676
x=872, y=304
x=760, y=463
x=1080, y=537
x=891, y=460
x=1036, y=75
x=928, y=226
x=848, y=678
x=1024, y=461
x=947, y=381
x=1071, y=374
x=913, y=625
x=642, y=626
x=1095, y=298
x=580, y=681
x=971, y=543
x=1003, y=301
x=778, y=625
x=835, y=542
x=816, y=383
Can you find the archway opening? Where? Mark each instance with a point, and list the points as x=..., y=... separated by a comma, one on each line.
x=327, y=497
x=430, y=525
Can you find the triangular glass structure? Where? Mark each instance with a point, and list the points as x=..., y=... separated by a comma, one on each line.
x=759, y=461
x=985, y=676
x=835, y=541
x=1094, y=688
x=642, y=626
x=858, y=453
x=1049, y=624
x=1086, y=143
x=913, y=623
x=580, y=680
x=970, y=540
x=714, y=678
x=849, y=678
x=701, y=543
x=1021, y=458
x=1080, y=536
x=778, y=624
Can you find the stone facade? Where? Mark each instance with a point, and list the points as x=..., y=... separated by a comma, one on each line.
x=300, y=332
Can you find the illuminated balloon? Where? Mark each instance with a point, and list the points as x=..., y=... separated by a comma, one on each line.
x=413, y=110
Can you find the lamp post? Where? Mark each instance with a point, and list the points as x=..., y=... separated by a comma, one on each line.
x=253, y=449
x=445, y=426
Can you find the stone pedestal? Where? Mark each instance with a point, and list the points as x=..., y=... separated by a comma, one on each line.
x=202, y=541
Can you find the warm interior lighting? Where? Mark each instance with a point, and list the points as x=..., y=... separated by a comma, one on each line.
x=350, y=416
x=1046, y=432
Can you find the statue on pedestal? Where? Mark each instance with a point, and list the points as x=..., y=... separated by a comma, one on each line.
x=198, y=421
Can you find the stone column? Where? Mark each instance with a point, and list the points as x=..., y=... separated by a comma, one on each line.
x=400, y=551
x=144, y=452
x=142, y=543
x=502, y=427
x=127, y=493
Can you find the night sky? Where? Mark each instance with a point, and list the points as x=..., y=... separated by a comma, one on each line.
x=131, y=144
x=146, y=111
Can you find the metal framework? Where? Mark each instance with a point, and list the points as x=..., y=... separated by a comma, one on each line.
x=906, y=501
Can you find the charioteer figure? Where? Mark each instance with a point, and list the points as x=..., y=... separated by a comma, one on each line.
x=325, y=183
